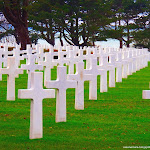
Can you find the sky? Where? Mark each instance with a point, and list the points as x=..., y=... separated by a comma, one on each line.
x=110, y=43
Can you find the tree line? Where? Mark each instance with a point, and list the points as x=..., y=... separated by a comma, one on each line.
x=78, y=22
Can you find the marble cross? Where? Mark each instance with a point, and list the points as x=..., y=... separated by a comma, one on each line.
x=94, y=71
x=134, y=54
x=80, y=76
x=31, y=67
x=61, y=60
x=41, y=55
x=6, y=52
x=81, y=57
x=61, y=84
x=16, y=54
x=72, y=61
x=103, y=64
x=130, y=64
x=88, y=57
x=111, y=68
x=36, y=93
x=125, y=64
x=119, y=67
x=1, y=61
x=12, y=72
x=49, y=64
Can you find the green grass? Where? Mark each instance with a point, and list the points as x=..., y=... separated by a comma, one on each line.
x=118, y=118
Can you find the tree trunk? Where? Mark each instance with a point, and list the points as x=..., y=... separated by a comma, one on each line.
x=17, y=15
x=121, y=44
x=23, y=35
x=128, y=34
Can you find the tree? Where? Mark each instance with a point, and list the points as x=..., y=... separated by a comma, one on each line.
x=43, y=19
x=142, y=34
x=16, y=14
x=126, y=13
x=83, y=21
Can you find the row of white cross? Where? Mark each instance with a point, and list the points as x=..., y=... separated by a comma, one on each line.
x=125, y=62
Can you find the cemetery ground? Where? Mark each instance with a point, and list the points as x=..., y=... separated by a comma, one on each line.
x=117, y=118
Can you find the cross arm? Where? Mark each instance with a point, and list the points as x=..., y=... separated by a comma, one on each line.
x=71, y=84
x=49, y=93
x=25, y=94
x=4, y=71
x=52, y=84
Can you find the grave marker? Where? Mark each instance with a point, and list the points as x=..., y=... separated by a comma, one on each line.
x=125, y=64
x=94, y=71
x=12, y=72
x=119, y=67
x=80, y=76
x=103, y=64
x=61, y=84
x=31, y=67
x=49, y=64
x=36, y=93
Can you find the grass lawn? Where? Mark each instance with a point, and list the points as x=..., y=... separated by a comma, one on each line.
x=118, y=118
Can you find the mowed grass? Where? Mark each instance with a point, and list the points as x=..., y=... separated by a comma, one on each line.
x=117, y=118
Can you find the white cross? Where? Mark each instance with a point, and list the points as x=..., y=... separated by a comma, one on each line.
x=125, y=64
x=61, y=60
x=88, y=58
x=130, y=64
x=40, y=55
x=2, y=58
x=80, y=76
x=1, y=61
x=111, y=68
x=36, y=93
x=134, y=54
x=94, y=71
x=6, y=53
x=49, y=64
x=61, y=84
x=31, y=67
x=119, y=67
x=72, y=61
x=103, y=64
x=81, y=57
x=17, y=55
x=12, y=72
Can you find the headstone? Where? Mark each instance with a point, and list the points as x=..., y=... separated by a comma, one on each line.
x=6, y=52
x=119, y=67
x=80, y=76
x=111, y=68
x=103, y=64
x=12, y=72
x=130, y=64
x=41, y=55
x=36, y=93
x=61, y=84
x=16, y=54
x=134, y=54
x=61, y=60
x=1, y=61
x=49, y=64
x=72, y=61
x=94, y=71
x=31, y=67
x=125, y=64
